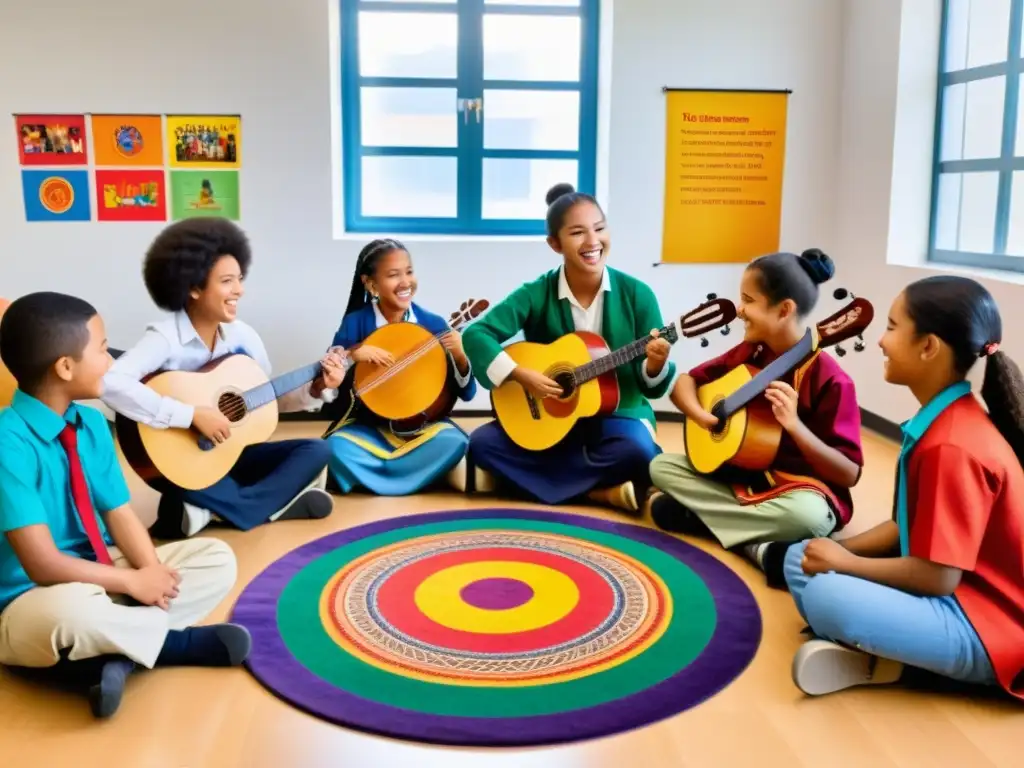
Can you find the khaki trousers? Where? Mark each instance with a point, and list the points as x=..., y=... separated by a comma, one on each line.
x=792, y=516
x=42, y=622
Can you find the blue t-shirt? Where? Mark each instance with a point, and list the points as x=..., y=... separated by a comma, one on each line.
x=35, y=485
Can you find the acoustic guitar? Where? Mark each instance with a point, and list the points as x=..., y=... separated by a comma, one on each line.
x=747, y=435
x=585, y=367
x=417, y=389
x=236, y=386
x=7, y=382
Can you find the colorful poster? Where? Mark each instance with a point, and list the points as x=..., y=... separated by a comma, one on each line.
x=128, y=140
x=204, y=193
x=51, y=139
x=205, y=141
x=52, y=195
x=724, y=158
x=131, y=195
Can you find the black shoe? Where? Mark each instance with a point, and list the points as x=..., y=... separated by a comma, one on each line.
x=311, y=504
x=669, y=515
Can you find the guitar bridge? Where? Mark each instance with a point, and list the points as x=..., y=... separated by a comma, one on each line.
x=532, y=402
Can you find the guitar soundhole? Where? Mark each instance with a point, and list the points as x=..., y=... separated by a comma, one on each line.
x=566, y=381
x=232, y=405
x=717, y=410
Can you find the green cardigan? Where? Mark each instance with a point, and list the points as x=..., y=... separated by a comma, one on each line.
x=630, y=312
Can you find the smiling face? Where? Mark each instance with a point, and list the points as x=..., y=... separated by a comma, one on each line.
x=84, y=376
x=762, y=322
x=583, y=239
x=906, y=353
x=393, y=280
x=218, y=300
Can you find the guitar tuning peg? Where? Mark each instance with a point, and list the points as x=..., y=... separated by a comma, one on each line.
x=840, y=351
x=712, y=296
x=858, y=345
x=704, y=342
x=726, y=330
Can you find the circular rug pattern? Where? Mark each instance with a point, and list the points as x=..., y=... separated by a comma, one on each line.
x=501, y=627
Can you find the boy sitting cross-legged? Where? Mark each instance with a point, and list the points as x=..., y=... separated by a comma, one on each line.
x=83, y=591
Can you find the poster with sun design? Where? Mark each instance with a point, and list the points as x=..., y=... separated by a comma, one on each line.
x=128, y=140
x=56, y=195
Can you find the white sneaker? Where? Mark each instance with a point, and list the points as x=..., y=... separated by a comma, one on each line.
x=457, y=476
x=194, y=519
x=483, y=481
x=821, y=667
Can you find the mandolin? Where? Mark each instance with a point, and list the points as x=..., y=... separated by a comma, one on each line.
x=418, y=389
x=585, y=367
x=235, y=385
x=747, y=435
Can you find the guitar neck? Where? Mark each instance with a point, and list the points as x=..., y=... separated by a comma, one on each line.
x=620, y=356
x=259, y=396
x=774, y=371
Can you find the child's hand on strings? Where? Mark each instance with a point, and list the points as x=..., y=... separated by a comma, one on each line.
x=367, y=353
x=657, y=353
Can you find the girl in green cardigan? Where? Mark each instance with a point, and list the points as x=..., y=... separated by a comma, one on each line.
x=604, y=458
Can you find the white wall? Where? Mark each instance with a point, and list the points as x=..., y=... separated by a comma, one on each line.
x=890, y=56
x=270, y=62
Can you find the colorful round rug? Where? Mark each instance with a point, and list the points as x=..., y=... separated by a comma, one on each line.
x=500, y=627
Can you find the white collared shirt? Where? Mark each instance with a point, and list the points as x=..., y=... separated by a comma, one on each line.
x=584, y=319
x=410, y=317
x=174, y=345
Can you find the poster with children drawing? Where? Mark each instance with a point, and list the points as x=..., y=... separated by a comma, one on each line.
x=205, y=141
x=51, y=139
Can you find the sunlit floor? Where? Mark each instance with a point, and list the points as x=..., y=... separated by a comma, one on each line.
x=192, y=718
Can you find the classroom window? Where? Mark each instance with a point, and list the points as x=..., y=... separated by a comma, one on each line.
x=458, y=115
x=978, y=186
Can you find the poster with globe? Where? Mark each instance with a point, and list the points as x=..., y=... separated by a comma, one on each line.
x=135, y=140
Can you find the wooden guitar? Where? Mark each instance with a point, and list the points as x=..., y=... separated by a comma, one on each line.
x=235, y=385
x=7, y=382
x=585, y=367
x=418, y=389
x=748, y=434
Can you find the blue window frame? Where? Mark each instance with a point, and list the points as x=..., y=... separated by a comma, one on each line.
x=458, y=115
x=978, y=184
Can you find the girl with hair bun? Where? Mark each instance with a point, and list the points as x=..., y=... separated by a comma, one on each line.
x=604, y=458
x=807, y=490
x=940, y=586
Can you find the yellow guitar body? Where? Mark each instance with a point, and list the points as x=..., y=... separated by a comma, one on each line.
x=549, y=420
x=175, y=455
x=750, y=437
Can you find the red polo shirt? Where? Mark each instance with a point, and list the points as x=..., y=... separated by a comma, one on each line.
x=965, y=509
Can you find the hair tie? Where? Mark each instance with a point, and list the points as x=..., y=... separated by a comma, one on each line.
x=990, y=349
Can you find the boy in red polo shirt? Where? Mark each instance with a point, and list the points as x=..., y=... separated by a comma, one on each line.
x=940, y=586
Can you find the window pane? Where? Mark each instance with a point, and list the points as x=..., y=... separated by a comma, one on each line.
x=403, y=44
x=415, y=187
x=978, y=212
x=563, y=3
x=1018, y=146
x=988, y=31
x=515, y=189
x=531, y=47
x=531, y=119
x=1015, y=233
x=409, y=117
x=972, y=119
x=956, y=35
x=947, y=212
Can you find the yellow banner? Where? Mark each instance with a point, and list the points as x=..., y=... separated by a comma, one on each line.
x=724, y=158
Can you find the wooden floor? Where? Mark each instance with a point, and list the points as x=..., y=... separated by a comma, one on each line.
x=193, y=718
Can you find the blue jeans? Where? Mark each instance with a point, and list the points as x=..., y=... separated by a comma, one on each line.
x=930, y=633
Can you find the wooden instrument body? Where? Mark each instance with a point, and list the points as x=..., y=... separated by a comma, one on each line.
x=748, y=439
x=175, y=456
x=7, y=382
x=545, y=423
x=421, y=382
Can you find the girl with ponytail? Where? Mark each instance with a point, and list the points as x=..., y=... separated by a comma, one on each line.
x=807, y=491
x=365, y=453
x=940, y=586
